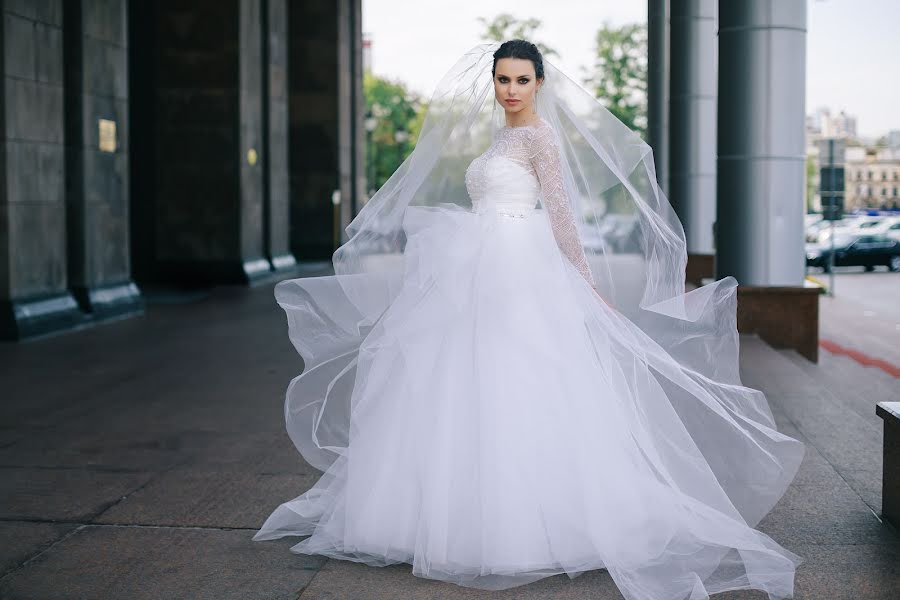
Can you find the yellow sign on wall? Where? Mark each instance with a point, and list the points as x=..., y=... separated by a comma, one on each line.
x=106, y=130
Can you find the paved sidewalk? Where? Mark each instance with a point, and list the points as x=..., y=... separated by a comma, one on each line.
x=139, y=457
x=864, y=316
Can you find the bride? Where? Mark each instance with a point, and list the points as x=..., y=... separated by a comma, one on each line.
x=505, y=378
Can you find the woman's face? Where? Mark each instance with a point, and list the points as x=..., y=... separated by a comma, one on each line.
x=515, y=85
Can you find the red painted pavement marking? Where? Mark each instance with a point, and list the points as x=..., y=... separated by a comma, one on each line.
x=860, y=357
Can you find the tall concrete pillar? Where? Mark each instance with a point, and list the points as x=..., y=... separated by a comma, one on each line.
x=326, y=132
x=762, y=150
x=206, y=140
x=761, y=169
x=692, y=127
x=352, y=109
x=34, y=294
x=658, y=87
x=97, y=182
x=276, y=184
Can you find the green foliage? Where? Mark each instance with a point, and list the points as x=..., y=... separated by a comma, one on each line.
x=810, y=183
x=506, y=27
x=619, y=74
x=396, y=114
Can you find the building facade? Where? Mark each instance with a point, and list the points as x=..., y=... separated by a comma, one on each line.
x=872, y=178
x=170, y=142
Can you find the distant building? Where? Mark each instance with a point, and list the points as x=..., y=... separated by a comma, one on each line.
x=893, y=138
x=871, y=174
x=824, y=124
x=872, y=177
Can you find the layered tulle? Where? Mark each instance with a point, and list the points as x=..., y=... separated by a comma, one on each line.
x=506, y=424
x=478, y=411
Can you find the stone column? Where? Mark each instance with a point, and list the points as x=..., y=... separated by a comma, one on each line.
x=658, y=87
x=352, y=110
x=97, y=183
x=200, y=141
x=692, y=128
x=34, y=295
x=326, y=132
x=761, y=169
x=276, y=184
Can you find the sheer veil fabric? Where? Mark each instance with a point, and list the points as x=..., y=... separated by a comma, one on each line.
x=478, y=411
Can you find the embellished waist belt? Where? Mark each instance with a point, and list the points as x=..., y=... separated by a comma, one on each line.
x=510, y=211
x=516, y=213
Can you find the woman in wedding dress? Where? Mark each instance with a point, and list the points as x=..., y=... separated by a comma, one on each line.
x=500, y=387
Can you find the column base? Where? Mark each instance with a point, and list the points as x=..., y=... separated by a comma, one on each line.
x=37, y=317
x=68, y=311
x=783, y=316
x=104, y=302
x=281, y=267
x=203, y=273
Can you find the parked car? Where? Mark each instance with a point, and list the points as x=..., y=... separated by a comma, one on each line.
x=820, y=231
x=874, y=225
x=893, y=231
x=866, y=251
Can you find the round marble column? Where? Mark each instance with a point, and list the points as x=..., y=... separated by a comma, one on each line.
x=761, y=148
x=692, y=120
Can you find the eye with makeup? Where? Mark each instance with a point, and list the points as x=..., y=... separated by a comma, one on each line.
x=504, y=79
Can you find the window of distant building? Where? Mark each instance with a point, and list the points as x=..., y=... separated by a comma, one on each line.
x=884, y=191
x=884, y=175
x=895, y=192
x=870, y=175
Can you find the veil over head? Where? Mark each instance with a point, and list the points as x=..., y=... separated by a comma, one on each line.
x=634, y=241
x=684, y=343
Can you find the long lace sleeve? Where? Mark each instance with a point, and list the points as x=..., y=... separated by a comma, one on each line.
x=545, y=158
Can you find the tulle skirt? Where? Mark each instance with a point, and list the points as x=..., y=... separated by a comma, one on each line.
x=506, y=425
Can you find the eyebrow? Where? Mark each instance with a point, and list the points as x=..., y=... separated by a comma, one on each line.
x=505, y=75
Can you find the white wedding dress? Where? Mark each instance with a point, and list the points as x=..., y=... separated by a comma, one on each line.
x=508, y=425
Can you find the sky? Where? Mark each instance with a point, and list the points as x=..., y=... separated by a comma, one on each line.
x=853, y=46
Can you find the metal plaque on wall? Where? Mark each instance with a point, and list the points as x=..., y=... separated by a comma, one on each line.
x=106, y=130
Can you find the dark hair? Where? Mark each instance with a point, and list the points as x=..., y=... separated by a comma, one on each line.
x=520, y=49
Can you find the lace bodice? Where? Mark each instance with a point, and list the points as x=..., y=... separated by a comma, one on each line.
x=536, y=149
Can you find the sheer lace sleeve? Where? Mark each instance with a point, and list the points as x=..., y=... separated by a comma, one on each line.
x=545, y=158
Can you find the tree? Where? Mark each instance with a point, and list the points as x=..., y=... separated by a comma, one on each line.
x=810, y=183
x=393, y=120
x=506, y=27
x=619, y=75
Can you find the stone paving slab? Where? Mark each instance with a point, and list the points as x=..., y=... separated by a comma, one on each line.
x=138, y=449
x=848, y=572
x=62, y=494
x=819, y=410
x=161, y=459
x=340, y=579
x=817, y=514
x=191, y=497
x=254, y=452
x=866, y=483
x=137, y=563
x=20, y=540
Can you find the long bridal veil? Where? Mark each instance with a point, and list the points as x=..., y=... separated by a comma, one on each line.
x=675, y=352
